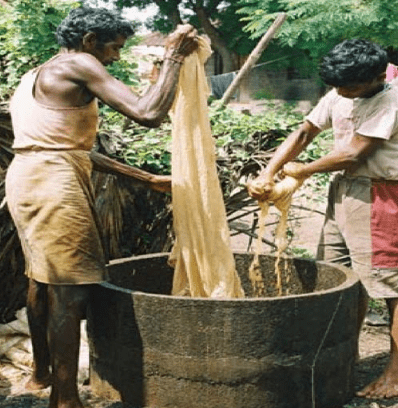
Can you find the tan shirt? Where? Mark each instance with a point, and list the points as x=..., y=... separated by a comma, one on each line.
x=373, y=117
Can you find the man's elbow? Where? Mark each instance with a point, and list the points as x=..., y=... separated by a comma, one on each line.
x=353, y=158
x=150, y=119
x=152, y=122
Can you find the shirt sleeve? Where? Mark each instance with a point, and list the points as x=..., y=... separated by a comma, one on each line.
x=380, y=122
x=321, y=115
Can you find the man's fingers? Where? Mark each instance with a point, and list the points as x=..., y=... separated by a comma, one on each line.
x=184, y=39
x=260, y=189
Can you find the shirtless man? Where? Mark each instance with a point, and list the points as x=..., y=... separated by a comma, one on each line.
x=49, y=195
x=362, y=215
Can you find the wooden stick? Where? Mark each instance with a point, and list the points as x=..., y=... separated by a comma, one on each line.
x=253, y=57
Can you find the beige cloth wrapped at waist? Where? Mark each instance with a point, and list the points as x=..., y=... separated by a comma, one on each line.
x=51, y=201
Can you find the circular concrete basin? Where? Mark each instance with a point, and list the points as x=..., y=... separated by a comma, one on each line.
x=150, y=349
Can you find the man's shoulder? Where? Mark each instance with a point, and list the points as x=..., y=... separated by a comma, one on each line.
x=79, y=66
x=331, y=96
x=79, y=61
x=393, y=88
x=330, y=100
x=389, y=97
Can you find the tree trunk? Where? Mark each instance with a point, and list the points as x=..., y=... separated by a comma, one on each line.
x=229, y=58
x=171, y=11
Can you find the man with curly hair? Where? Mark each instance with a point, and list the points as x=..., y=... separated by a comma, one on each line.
x=55, y=116
x=362, y=214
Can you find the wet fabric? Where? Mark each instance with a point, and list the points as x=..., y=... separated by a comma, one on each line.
x=360, y=231
x=281, y=196
x=203, y=260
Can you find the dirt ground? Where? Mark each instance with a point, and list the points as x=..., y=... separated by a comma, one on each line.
x=373, y=342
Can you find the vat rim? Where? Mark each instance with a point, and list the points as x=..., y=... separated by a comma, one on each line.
x=352, y=280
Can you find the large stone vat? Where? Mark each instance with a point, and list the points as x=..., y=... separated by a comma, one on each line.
x=150, y=349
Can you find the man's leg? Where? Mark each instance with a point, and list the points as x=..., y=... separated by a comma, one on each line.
x=67, y=307
x=37, y=311
x=386, y=386
x=333, y=246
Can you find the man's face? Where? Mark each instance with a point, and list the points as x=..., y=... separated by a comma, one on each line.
x=109, y=52
x=364, y=90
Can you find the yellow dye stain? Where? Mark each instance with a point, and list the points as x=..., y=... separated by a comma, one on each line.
x=202, y=257
x=281, y=196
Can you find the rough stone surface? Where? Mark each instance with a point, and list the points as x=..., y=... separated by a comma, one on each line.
x=155, y=350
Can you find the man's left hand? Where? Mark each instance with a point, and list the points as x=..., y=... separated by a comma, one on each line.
x=294, y=169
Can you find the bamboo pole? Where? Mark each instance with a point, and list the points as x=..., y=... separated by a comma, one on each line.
x=253, y=57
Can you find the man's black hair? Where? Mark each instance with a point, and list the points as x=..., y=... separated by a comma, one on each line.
x=106, y=24
x=353, y=61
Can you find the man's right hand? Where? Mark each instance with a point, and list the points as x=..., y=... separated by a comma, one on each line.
x=261, y=187
x=182, y=42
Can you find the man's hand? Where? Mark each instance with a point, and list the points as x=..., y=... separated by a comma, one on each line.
x=294, y=169
x=261, y=187
x=182, y=42
x=139, y=177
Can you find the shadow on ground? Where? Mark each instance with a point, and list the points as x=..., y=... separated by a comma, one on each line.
x=367, y=370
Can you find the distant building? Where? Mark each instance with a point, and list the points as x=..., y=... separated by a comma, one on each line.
x=261, y=83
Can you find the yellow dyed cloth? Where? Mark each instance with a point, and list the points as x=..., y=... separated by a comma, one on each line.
x=281, y=196
x=203, y=260
x=50, y=199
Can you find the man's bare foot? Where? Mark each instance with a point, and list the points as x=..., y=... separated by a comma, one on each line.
x=386, y=386
x=38, y=383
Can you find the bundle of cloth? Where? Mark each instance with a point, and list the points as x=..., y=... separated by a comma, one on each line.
x=280, y=195
x=202, y=256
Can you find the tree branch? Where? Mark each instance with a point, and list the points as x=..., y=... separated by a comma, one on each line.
x=230, y=60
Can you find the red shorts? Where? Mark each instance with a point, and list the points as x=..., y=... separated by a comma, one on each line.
x=361, y=231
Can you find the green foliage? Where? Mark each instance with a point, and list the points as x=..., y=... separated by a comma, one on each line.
x=301, y=253
x=264, y=93
x=377, y=305
x=149, y=149
x=315, y=26
x=126, y=68
x=228, y=26
x=236, y=136
x=321, y=144
x=27, y=37
x=231, y=28
x=230, y=126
